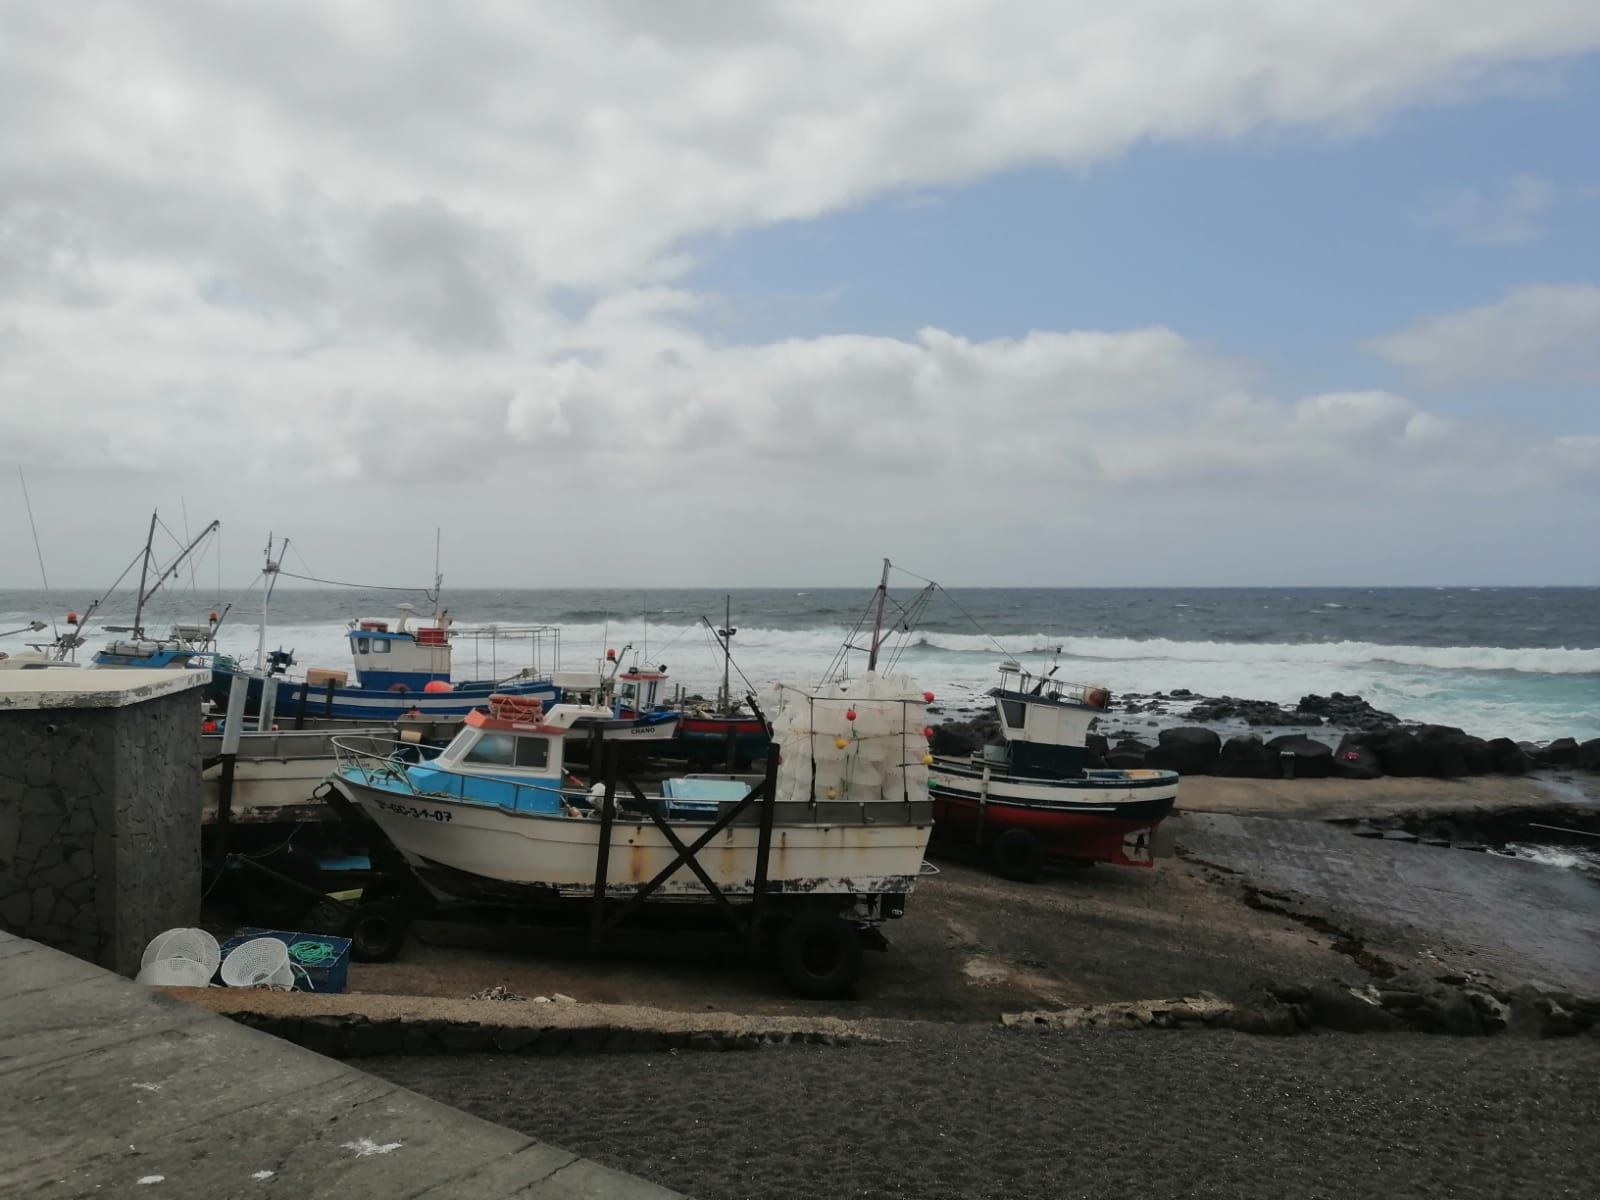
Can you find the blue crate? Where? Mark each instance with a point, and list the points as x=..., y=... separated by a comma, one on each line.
x=321, y=962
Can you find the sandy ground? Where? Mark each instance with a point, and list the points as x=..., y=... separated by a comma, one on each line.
x=970, y=947
x=959, y=1111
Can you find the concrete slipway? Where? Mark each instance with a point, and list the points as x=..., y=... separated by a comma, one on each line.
x=108, y=1088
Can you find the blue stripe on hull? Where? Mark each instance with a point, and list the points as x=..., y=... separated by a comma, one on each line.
x=377, y=705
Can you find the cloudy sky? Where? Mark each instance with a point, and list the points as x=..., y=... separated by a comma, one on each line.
x=1065, y=292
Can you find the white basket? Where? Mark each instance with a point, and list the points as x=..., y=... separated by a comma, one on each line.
x=260, y=962
x=175, y=972
x=194, y=944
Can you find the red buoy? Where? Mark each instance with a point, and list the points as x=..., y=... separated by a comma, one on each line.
x=72, y=618
x=927, y=731
x=927, y=697
x=849, y=714
x=437, y=685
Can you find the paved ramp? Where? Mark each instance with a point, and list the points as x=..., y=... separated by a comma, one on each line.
x=1513, y=919
x=111, y=1089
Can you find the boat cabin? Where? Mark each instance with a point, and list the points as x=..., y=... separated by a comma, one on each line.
x=1046, y=721
x=391, y=656
x=641, y=691
x=509, y=757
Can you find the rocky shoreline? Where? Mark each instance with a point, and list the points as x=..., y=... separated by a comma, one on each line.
x=1354, y=741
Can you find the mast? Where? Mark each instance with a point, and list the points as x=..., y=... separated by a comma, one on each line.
x=144, y=571
x=268, y=573
x=877, y=619
x=726, y=633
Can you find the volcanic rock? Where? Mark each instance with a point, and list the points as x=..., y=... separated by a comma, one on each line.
x=1349, y=712
x=1247, y=758
x=1563, y=752
x=955, y=739
x=1509, y=758
x=1127, y=755
x=1312, y=759
x=1355, y=759
x=1188, y=750
x=1589, y=755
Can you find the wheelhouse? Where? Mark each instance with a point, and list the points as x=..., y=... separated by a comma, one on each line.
x=1046, y=721
x=509, y=741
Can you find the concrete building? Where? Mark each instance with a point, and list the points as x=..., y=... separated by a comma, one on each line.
x=99, y=808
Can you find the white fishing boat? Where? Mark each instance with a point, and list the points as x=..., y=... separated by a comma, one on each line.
x=834, y=848
x=1033, y=800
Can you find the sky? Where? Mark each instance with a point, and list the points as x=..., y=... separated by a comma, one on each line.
x=731, y=293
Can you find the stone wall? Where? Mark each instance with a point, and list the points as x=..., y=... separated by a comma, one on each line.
x=100, y=824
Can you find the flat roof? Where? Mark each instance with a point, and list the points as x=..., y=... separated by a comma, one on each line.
x=92, y=687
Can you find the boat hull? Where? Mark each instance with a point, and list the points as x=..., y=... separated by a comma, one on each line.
x=1105, y=816
x=486, y=851
x=374, y=706
x=704, y=738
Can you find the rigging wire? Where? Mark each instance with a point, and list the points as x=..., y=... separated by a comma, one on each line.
x=959, y=608
x=369, y=587
x=38, y=550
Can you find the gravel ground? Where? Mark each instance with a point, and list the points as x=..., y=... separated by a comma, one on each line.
x=962, y=1111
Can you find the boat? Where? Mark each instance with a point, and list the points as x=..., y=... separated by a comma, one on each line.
x=627, y=705
x=726, y=732
x=402, y=671
x=1033, y=800
x=494, y=819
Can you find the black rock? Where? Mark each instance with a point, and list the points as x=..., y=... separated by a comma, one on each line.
x=1127, y=755
x=1312, y=759
x=1336, y=1007
x=1096, y=748
x=1401, y=753
x=1588, y=755
x=1508, y=757
x=955, y=739
x=1188, y=750
x=1563, y=752
x=1355, y=759
x=1247, y=758
x=1180, y=693
x=1351, y=712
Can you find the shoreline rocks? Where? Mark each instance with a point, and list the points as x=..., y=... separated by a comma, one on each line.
x=1374, y=743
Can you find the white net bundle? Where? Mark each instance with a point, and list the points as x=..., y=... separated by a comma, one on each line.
x=860, y=742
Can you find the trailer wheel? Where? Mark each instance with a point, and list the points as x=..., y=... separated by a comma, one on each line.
x=378, y=931
x=819, y=954
x=1017, y=855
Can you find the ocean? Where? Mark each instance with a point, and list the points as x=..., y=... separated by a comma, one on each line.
x=1518, y=662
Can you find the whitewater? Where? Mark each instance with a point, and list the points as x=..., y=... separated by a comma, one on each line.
x=1517, y=662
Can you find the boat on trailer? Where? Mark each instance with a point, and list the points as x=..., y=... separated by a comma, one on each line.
x=817, y=854
x=1034, y=800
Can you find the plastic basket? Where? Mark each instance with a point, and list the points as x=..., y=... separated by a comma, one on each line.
x=260, y=962
x=175, y=972
x=194, y=944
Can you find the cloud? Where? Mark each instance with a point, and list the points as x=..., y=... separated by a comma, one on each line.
x=1510, y=214
x=406, y=258
x=1546, y=334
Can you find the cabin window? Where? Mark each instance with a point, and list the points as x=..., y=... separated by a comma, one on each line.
x=1014, y=711
x=380, y=645
x=494, y=749
x=533, y=751
x=363, y=645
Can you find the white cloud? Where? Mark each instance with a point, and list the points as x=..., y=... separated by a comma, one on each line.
x=304, y=258
x=1509, y=214
x=1537, y=334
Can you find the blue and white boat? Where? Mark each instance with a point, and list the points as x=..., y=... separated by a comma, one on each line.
x=401, y=671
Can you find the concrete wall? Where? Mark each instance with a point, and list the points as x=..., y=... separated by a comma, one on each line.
x=100, y=822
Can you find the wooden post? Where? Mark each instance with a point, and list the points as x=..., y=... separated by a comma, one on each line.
x=758, y=898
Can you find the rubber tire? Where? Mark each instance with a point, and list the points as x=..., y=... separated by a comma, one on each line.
x=377, y=932
x=1017, y=855
x=819, y=955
